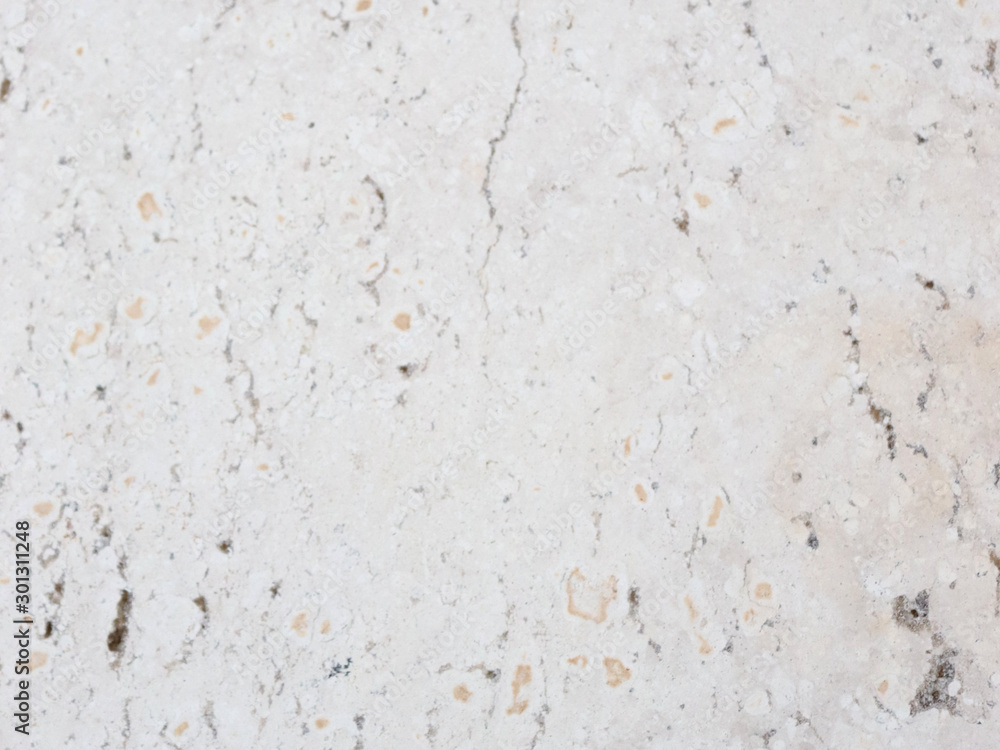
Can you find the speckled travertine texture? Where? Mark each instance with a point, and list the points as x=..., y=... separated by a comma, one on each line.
x=471, y=375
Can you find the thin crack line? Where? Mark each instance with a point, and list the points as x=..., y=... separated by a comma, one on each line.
x=485, y=190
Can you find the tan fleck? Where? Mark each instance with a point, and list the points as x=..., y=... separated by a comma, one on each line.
x=37, y=660
x=667, y=375
x=180, y=729
x=849, y=122
x=724, y=123
x=425, y=10
x=322, y=723
x=128, y=481
x=363, y=5
x=325, y=627
x=147, y=207
x=299, y=624
x=595, y=600
x=713, y=517
x=79, y=51
x=373, y=265
x=704, y=648
x=883, y=686
x=43, y=508
x=82, y=339
x=287, y=116
x=207, y=325
x=262, y=467
x=522, y=676
x=961, y=3
x=748, y=615
x=628, y=445
x=198, y=390
x=134, y=310
x=763, y=591
x=640, y=492
x=703, y=200
x=402, y=321
x=152, y=378
x=616, y=672
x=692, y=612
x=461, y=693
x=580, y=661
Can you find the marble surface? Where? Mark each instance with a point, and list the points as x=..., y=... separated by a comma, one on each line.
x=439, y=374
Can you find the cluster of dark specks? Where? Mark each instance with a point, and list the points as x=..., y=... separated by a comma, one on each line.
x=934, y=692
x=912, y=613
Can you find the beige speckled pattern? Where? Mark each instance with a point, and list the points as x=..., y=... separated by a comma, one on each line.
x=382, y=375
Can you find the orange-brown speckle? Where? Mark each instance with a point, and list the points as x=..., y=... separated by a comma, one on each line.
x=322, y=723
x=82, y=339
x=299, y=624
x=883, y=686
x=849, y=122
x=461, y=693
x=667, y=375
x=207, y=325
x=128, y=481
x=262, y=467
x=134, y=310
x=147, y=206
x=373, y=265
x=425, y=10
x=152, y=378
x=79, y=51
x=580, y=661
x=692, y=612
x=396, y=270
x=748, y=615
x=281, y=219
x=325, y=628
x=726, y=122
x=363, y=5
x=628, y=445
x=615, y=672
x=43, y=508
x=596, y=599
x=198, y=390
x=37, y=660
x=703, y=200
x=640, y=492
x=713, y=517
x=961, y=3
x=180, y=729
x=287, y=116
x=704, y=647
x=763, y=591
x=522, y=676
x=402, y=321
